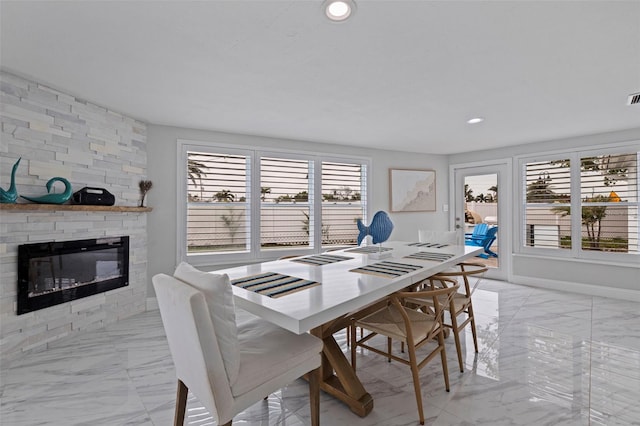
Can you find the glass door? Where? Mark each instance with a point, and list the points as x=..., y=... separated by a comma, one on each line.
x=481, y=203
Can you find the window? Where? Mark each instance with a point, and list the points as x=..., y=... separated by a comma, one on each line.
x=343, y=202
x=609, y=202
x=218, y=213
x=601, y=185
x=286, y=213
x=252, y=204
x=548, y=203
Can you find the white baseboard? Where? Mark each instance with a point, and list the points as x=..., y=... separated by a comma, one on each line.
x=590, y=289
x=152, y=304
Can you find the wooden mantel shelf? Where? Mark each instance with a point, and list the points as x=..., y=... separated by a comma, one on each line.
x=72, y=207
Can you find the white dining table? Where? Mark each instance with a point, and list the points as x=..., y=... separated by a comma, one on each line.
x=339, y=292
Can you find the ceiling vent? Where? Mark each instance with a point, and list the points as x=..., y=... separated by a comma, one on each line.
x=633, y=99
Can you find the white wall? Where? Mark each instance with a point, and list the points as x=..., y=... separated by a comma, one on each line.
x=56, y=134
x=591, y=277
x=161, y=152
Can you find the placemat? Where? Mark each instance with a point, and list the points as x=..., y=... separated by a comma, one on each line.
x=368, y=249
x=387, y=269
x=320, y=259
x=427, y=255
x=273, y=284
x=430, y=245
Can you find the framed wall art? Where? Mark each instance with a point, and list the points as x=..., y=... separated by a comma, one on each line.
x=412, y=190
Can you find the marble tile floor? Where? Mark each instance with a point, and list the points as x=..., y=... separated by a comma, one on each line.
x=546, y=358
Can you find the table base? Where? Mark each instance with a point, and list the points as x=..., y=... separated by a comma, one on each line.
x=337, y=376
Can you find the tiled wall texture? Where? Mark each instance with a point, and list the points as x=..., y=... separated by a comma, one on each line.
x=58, y=135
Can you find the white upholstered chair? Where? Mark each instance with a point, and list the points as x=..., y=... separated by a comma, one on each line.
x=228, y=367
x=440, y=237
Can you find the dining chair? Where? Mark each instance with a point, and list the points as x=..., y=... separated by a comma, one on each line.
x=461, y=302
x=400, y=320
x=440, y=237
x=228, y=366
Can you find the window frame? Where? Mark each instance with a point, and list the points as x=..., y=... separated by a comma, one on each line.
x=575, y=252
x=255, y=153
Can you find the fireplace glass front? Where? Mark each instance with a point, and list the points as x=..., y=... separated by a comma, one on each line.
x=56, y=272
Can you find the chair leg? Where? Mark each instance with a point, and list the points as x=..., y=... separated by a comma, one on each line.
x=181, y=404
x=416, y=380
x=456, y=335
x=314, y=396
x=473, y=326
x=443, y=357
x=470, y=313
x=389, y=343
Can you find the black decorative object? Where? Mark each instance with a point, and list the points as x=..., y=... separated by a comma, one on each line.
x=60, y=271
x=94, y=197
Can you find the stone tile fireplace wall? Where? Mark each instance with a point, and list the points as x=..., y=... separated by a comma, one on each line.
x=59, y=135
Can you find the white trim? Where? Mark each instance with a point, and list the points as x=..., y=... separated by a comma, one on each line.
x=481, y=163
x=588, y=289
x=181, y=192
x=581, y=149
x=503, y=168
x=603, y=262
x=254, y=148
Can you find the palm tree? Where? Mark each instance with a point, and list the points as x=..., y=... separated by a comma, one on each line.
x=591, y=218
x=224, y=196
x=468, y=193
x=539, y=191
x=195, y=171
x=494, y=189
x=264, y=190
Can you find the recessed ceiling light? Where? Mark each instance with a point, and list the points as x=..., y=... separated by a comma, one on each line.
x=339, y=10
x=475, y=120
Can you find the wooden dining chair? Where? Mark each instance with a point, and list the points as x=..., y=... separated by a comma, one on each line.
x=228, y=367
x=400, y=320
x=461, y=302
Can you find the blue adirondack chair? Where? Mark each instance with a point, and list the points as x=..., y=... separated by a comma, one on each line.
x=475, y=238
x=486, y=243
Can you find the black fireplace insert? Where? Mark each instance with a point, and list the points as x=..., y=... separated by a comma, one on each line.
x=56, y=272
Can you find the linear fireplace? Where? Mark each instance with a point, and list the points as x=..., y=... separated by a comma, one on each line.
x=57, y=272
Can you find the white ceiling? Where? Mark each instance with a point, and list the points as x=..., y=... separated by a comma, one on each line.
x=403, y=75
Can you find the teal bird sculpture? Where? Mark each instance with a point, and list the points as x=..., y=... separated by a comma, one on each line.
x=10, y=195
x=53, y=198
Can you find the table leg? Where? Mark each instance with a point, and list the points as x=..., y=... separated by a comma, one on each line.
x=339, y=379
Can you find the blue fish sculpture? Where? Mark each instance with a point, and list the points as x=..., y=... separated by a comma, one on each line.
x=53, y=198
x=10, y=195
x=380, y=228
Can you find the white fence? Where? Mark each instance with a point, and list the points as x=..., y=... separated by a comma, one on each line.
x=285, y=224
